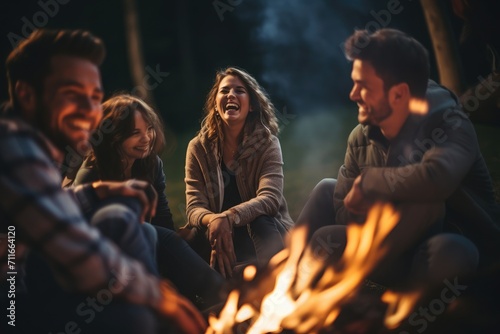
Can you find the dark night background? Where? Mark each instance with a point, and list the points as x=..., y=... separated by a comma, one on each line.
x=292, y=47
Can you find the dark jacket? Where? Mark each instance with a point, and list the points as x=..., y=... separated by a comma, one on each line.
x=88, y=173
x=434, y=158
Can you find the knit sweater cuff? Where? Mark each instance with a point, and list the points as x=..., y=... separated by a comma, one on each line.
x=233, y=217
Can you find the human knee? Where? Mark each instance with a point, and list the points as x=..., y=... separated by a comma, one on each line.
x=328, y=243
x=116, y=216
x=150, y=233
x=262, y=225
x=324, y=188
x=116, y=211
x=455, y=252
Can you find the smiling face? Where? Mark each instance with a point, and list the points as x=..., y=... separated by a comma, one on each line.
x=369, y=93
x=232, y=101
x=140, y=142
x=70, y=104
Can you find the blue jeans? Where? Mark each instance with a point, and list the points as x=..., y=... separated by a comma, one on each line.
x=51, y=309
x=418, y=251
x=179, y=263
x=261, y=239
x=258, y=241
x=115, y=217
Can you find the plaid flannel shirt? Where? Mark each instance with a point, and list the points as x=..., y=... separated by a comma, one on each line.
x=49, y=219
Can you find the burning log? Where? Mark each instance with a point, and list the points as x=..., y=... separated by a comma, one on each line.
x=299, y=293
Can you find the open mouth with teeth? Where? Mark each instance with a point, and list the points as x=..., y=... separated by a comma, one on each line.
x=77, y=124
x=142, y=148
x=232, y=107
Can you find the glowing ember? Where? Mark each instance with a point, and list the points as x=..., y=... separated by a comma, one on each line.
x=306, y=294
x=418, y=106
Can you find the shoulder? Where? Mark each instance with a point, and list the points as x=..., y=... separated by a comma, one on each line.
x=271, y=148
x=270, y=144
x=274, y=141
x=159, y=172
x=358, y=136
x=196, y=143
x=13, y=126
x=159, y=162
x=200, y=145
x=27, y=139
x=443, y=104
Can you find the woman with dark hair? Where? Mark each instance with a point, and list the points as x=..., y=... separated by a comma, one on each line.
x=126, y=145
x=234, y=176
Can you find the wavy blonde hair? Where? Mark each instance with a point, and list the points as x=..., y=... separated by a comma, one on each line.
x=262, y=116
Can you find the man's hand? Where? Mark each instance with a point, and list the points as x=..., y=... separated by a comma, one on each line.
x=141, y=190
x=355, y=201
x=221, y=239
x=180, y=312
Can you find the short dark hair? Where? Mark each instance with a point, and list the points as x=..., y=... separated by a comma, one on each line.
x=30, y=60
x=396, y=57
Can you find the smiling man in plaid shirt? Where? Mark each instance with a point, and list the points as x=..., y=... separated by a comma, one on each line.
x=55, y=102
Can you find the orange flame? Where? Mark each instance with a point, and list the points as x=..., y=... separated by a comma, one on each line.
x=400, y=305
x=304, y=303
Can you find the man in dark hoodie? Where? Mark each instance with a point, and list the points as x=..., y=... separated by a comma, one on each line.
x=416, y=149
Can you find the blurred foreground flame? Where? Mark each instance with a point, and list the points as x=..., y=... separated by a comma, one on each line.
x=419, y=106
x=306, y=294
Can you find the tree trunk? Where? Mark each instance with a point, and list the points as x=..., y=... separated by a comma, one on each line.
x=134, y=44
x=445, y=47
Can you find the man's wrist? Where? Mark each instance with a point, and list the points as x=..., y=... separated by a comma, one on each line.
x=95, y=186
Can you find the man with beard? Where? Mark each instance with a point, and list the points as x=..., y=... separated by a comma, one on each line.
x=55, y=101
x=415, y=149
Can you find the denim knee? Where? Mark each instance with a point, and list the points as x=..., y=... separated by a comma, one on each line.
x=120, y=223
x=261, y=225
x=151, y=237
x=116, y=218
x=446, y=256
x=266, y=237
x=117, y=210
x=319, y=209
x=328, y=243
x=324, y=188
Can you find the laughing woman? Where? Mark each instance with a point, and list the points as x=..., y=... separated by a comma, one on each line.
x=234, y=176
x=127, y=143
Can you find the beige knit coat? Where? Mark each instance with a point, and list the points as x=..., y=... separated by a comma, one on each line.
x=259, y=176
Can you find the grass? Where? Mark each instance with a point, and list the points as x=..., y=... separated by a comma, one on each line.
x=313, y=148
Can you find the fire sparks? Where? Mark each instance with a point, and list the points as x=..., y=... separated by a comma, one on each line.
x=419, y=106
x=306, y=294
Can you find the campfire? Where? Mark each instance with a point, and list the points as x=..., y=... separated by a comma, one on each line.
x=300, y=293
